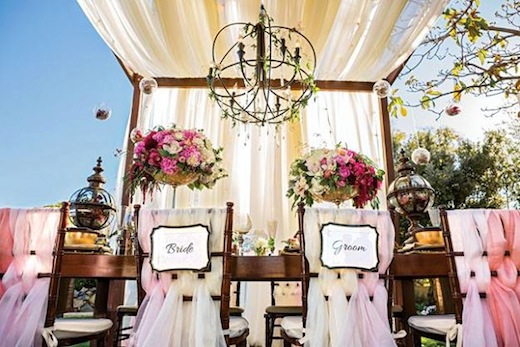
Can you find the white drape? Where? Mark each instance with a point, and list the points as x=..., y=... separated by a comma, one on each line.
x=362, y=40
x=163, y=319
x=359, y=321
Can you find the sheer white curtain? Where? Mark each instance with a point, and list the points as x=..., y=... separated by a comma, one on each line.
x=258, y=158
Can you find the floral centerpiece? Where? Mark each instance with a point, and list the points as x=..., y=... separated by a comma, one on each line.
x=174, y=156
x=334, y=175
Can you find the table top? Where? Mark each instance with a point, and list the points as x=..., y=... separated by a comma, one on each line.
x=85, y=265
x=419, y=265
x=266, y=268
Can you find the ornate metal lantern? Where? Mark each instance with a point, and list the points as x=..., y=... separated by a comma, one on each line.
x=275, y=80
x=410, y=194
x=92, y=207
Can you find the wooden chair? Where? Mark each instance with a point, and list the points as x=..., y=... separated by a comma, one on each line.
x=275, y=312
x=445, y=327
x=235, y=327
x=293, y=329
x=64, y=331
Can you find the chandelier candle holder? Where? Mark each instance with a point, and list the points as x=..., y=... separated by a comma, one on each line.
x=275, y=65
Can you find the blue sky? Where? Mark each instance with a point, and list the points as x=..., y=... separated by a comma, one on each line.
x=54, y=69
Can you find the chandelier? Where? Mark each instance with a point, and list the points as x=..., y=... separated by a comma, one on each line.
x=275, y=65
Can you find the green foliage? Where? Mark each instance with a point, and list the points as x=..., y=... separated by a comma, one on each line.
x=467, y=174
x=84, y=283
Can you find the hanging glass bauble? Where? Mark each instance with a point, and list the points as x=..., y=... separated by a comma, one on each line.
x=421, y=156
x=382, y=88
x=147, y=85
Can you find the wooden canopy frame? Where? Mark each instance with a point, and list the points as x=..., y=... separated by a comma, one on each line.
x=353, y=86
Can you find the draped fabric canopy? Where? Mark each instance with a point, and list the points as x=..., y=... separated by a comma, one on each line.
x=355, y=40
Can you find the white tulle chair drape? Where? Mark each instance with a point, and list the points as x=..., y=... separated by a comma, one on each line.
x=24, y=303
x=340, y=322
x=163, y=318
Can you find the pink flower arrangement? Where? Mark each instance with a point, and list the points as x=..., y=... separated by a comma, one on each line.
x=174, y=151
x=323, y=171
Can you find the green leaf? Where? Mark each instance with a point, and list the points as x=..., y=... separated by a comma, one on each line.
x=425, y=102
x=481, y=54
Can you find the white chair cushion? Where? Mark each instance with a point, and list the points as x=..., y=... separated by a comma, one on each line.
x=237, y=326
x=435, y=324
x=293, y=326
x=66, y=328
x=83, y=326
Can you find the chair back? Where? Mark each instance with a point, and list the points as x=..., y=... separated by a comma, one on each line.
x=26, y=279
x=176, y=293
x=484, y=259
x=345, y=305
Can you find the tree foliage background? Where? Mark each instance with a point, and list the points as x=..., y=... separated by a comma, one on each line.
x=466, y=173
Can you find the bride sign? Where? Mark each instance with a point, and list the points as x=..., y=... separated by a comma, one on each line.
x=349, y=246
x=180, y=248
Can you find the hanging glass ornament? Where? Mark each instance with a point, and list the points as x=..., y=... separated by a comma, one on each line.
x=136, y=135
x=421, y=156
x=147, y=85
x=382, y=88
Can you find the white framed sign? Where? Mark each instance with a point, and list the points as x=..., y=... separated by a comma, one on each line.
x=180, y=248
x=349, y=246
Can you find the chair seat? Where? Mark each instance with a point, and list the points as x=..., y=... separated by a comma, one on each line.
x=284, y=310
x=293, y=326
x=434, y=324
x=237, y=326
x=66, y=328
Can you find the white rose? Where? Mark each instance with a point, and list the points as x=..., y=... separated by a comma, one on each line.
x=193, y=161
x=172, y=148
x=198, y=141
x=316, y=187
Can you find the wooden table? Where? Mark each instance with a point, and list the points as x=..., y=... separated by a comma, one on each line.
x=407, y=267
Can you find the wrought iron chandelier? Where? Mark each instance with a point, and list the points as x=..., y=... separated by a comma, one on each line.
x=275, y=65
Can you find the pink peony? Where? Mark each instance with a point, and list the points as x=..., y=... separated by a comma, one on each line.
x=154, y=159
x=169, y=165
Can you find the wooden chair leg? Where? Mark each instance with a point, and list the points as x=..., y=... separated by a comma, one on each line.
x=416, y=340
x=267, y=332
x=286, y=344
x=242, y=343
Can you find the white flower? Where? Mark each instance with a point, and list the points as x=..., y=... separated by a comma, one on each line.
x=316, y=187
x=172, y=148
x=193, y=161
x=301, y=186
x=198, y=141
x=261, y=243
x=179, y=135
x=208, y=156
